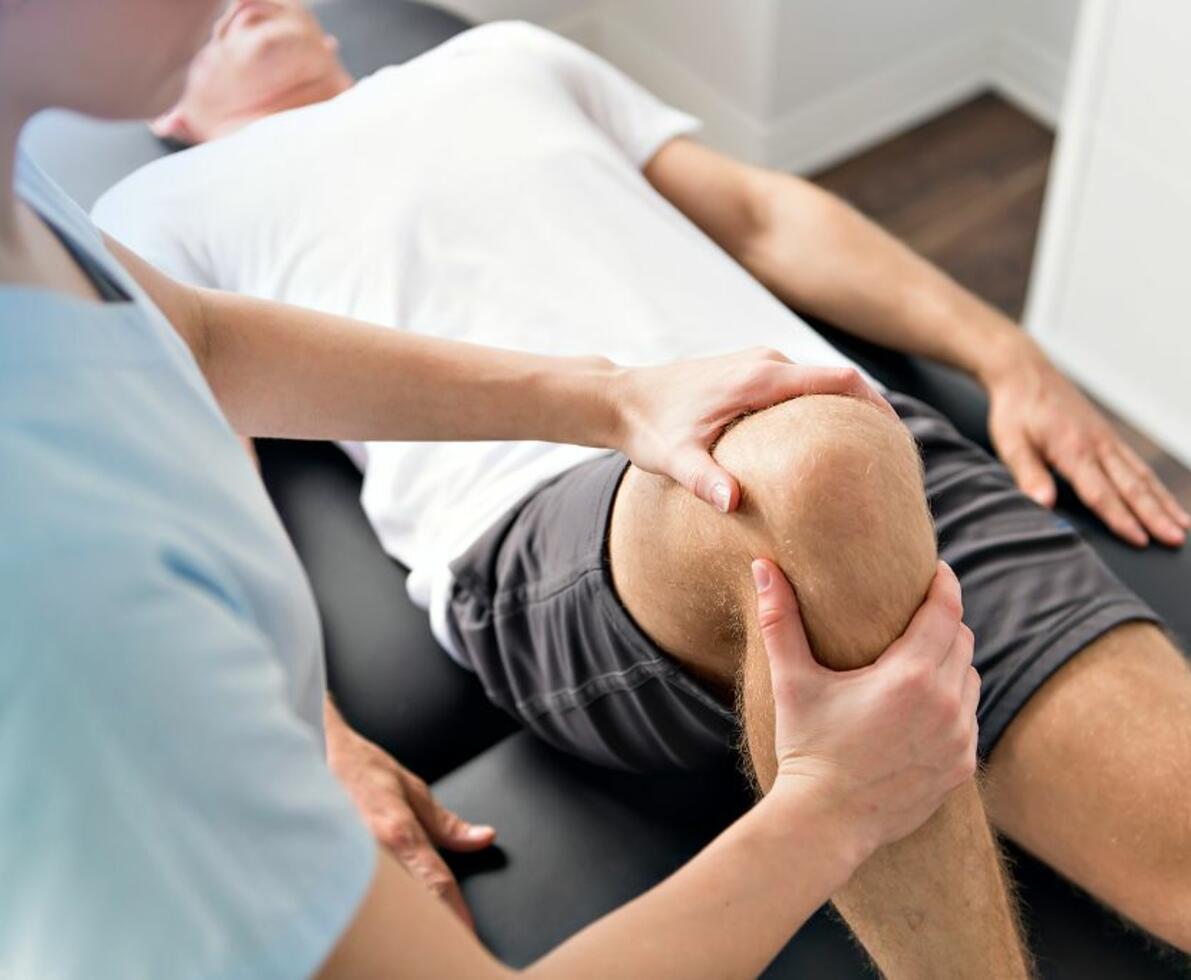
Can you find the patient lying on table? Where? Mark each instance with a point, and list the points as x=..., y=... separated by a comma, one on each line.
x=513, y=189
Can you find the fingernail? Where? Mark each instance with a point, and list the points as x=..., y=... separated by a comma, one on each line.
x=761, y=577
x=722, y=497
x=477, y=830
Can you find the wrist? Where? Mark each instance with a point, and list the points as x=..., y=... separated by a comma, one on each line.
x=813, y=822
x=1006, y=353
x=612, y=404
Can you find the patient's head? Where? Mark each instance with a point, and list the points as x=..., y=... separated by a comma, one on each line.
x=264, y=56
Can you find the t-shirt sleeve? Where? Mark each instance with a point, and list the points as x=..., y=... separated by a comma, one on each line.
x=150, y=213
x=163, y=809
x=633, y=117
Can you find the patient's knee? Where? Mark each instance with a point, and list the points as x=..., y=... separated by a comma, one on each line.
x=833, y=491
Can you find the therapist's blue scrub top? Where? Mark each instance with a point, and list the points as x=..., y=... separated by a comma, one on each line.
x=165, y=808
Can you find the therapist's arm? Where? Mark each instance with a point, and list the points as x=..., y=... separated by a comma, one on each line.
x=821, y=256
x=281, y=371
x=864, y=757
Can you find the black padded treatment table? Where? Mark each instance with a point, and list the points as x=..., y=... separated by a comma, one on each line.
x=575, y=841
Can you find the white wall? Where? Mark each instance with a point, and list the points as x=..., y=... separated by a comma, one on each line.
x=539, y=11
x=1110, y=293
x=799, y=84
x=1031, y=54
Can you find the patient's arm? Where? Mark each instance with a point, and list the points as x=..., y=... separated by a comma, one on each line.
x=282, y=371
x=401, y=811
x=823, y=257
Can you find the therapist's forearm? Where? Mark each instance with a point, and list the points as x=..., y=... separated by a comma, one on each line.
x=281, y=371
x=820, y=255
x=726, y=913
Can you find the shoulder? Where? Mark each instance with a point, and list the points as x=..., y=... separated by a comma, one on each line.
x=160, y=211
x=514, y=35
x=141, y=195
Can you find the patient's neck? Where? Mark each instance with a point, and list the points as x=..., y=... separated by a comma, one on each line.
x=309, y=92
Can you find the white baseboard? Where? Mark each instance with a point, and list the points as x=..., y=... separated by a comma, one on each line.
x=1028, y=75
x=827, y=129
x=725, y=125
x=847, y=120
x=871, y=109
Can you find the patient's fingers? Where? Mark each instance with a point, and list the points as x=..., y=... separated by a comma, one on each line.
x=1027, y=466
x=1171, y=505
x=404, y=838
x=1141, y=490
x=444, y=827
x=1101, y=495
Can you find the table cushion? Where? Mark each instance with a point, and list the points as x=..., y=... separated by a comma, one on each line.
x=575, y=842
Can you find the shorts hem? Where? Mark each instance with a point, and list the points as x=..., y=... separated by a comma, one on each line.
x=1071, y=639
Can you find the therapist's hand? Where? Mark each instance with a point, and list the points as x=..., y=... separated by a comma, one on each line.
x=671, y=416
x=878, y=748
x=401, y=811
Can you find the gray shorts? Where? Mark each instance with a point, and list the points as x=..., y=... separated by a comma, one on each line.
x=535, y=613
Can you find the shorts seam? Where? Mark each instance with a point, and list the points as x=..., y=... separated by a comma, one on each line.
x=562, y=700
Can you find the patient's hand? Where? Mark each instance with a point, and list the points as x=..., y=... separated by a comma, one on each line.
x=672, y=415
x=401, y=811
x=1039, y=418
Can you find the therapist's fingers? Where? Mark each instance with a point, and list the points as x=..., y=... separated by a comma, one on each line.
x=784, y=381
x=444, y=827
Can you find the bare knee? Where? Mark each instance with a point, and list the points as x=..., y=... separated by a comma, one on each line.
x=833, y=491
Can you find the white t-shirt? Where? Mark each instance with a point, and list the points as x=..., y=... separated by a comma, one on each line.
x=488, y=191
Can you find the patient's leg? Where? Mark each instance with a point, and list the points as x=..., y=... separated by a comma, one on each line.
x=833, y=493
x=1094, y=776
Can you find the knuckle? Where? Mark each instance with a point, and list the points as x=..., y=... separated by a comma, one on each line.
x=757, y=373
x=850, y=377
x=1133, y=486
x=951, y=705
x=439, y=883
x=398, y=834
x=769, y=618
x=914, y=682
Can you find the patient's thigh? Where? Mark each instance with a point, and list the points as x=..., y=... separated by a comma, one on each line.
x=1094, y=774
x=668, y=560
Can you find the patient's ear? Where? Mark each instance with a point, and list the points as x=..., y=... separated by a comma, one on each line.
x=173, y=125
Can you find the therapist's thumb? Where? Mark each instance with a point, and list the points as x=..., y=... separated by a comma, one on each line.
x=784, y=636
x=696, y=470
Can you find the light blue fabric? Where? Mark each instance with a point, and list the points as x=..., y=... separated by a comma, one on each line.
x=165, y=809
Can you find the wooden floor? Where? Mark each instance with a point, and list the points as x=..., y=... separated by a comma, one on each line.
x=965, y=190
